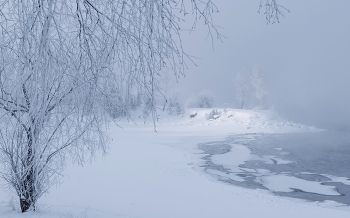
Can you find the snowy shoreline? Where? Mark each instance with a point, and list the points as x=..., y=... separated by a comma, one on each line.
x=149, y=174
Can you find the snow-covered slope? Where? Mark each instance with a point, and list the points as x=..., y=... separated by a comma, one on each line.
x=260, y=120
x=148, y=174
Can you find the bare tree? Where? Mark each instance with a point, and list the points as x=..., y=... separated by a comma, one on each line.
x=259, y=84
x=241, y=85
x=57, y=58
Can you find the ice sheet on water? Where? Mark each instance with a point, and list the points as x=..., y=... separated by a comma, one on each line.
x=231, y=160
x=279, y=149
x=277, y=160
x=239, y=154
x=224, y=175
x=285, y=183
x=344, y=180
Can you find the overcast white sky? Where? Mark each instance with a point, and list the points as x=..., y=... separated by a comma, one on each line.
x=306, y=57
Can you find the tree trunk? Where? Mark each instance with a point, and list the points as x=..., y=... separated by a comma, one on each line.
x=25, y=204
x=27, y=199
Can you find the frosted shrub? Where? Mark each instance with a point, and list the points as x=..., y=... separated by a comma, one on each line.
x=118, y=105
x=226, y=106
x=114, y=108
x=174, y=106
x=213, y=115
x=202, y=100
x=147, y=108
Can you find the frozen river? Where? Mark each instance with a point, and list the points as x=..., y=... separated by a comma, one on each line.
x=311, y=166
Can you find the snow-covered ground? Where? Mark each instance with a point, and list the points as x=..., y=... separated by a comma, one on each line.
x=148, y=174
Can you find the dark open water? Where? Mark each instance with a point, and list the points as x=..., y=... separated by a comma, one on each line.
x=325, y=152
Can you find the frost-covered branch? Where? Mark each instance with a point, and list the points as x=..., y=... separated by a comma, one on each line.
x=63, y=61
x=273, y=10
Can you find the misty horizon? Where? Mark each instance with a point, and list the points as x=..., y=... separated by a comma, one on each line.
x=305, y=58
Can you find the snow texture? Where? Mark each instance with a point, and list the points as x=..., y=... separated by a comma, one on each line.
x=159, y=175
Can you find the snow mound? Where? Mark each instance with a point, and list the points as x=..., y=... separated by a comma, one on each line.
x=256, y=120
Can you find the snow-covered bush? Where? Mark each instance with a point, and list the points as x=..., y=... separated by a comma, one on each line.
x=114, y=107
x=117, y=105
x=226, y=106
x=213, y=115
x=204, y=99
x=174, y=105
x=147, y=107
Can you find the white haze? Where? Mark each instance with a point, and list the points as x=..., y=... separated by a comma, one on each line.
x=305, y=56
